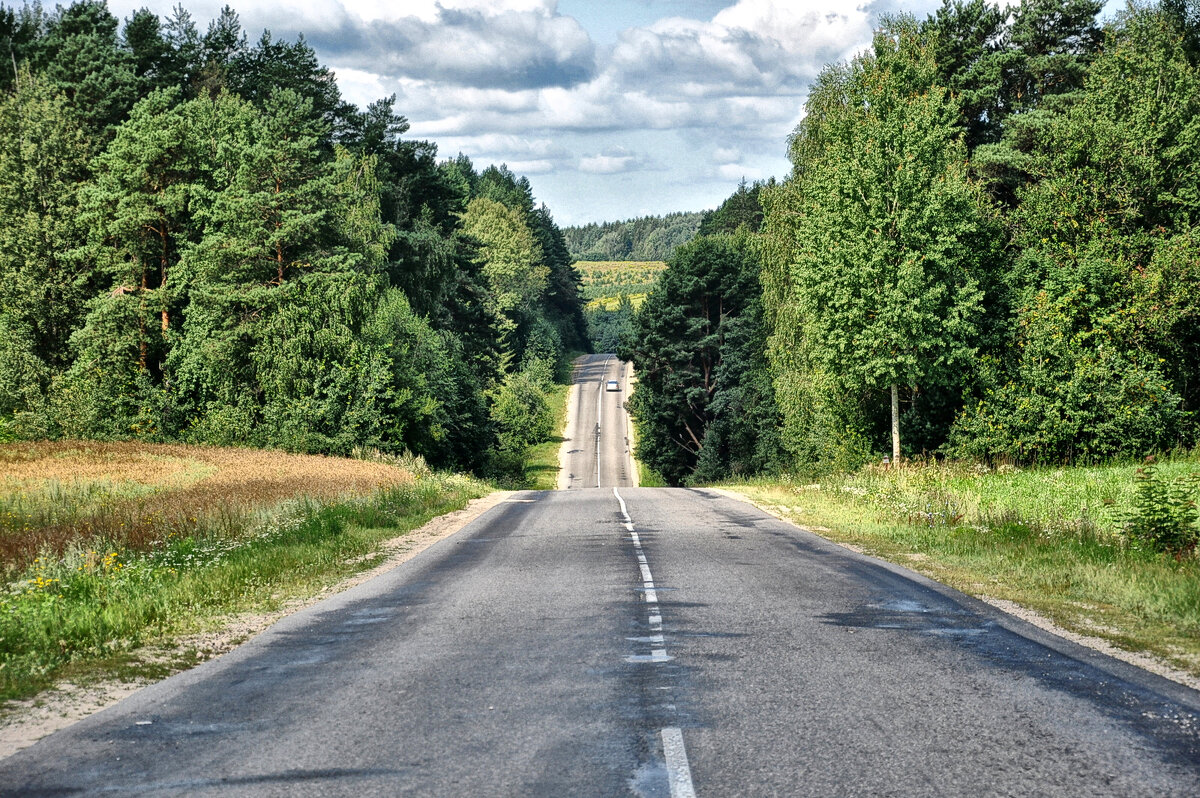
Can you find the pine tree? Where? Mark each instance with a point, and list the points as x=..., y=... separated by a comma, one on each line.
x=81, y=57
x=693, y=342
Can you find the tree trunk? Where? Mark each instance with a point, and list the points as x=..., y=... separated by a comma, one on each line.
x=895, y=425
x=143, y=349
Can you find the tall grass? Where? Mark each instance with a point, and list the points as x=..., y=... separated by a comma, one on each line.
x=83, y=602
x=55, y=494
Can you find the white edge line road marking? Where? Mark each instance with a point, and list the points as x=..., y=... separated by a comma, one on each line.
x=679, y=775
x=600, y=419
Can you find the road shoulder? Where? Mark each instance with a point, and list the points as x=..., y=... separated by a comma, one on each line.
x=1138, y=659
x=67, y=703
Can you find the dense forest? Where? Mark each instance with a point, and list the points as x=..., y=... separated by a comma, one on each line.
x=988, y=248
x=645, y=238
x=201, y=241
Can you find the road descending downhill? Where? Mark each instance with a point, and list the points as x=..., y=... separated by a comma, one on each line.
x=597, y=452
x=623, y=641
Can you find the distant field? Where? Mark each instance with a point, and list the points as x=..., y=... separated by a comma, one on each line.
x=610, y=279
x=613, y=302
x=109, y=547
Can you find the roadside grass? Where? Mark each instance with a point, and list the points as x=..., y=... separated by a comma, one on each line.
x=153, y=543
x=58, y=494
x=1047, y=539
x=541, y=467
x=648, y=477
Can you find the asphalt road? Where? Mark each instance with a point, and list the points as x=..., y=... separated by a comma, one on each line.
x=597, y=453
x=553, y=648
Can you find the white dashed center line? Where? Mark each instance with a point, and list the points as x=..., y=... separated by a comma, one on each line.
x=679, y=774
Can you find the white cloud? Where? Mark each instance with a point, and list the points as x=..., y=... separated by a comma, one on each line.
x=427, y=10
x=464, y=44
x=735, y=172
x=539, y=167
x=726, y=155
x=359, y=86
x=610, y=162
x=521, y=82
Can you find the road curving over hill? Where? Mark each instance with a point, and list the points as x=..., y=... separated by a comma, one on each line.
x=599, y=438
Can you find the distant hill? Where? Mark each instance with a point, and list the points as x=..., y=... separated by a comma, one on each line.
x=647, y=238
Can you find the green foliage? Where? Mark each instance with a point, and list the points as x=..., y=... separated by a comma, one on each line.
x=608, y=329
x=880, y=246
x=1102, y=356
x=968, y=42
x=200, y=240
x=80, y=56
x=703, y=407
x=562, y=303
x=522, y=417
x=646, y=238
x=511, y=260
x=43, y=288
x=1164, y=516
x=741, y=210
x=1029, y=68
x=20, y=30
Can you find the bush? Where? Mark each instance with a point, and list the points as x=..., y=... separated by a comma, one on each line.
x=1164, y=514
x=520, y=412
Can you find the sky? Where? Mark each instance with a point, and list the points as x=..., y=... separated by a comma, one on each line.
x=612, y=108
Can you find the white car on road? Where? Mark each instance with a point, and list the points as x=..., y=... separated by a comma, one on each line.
x=612, y=385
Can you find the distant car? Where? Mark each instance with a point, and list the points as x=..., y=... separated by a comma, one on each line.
x=612, y=385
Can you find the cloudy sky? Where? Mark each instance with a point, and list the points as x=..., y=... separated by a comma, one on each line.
x=612, y=108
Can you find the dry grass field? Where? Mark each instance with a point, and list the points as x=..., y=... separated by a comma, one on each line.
x=57, y=494
x=108, y=547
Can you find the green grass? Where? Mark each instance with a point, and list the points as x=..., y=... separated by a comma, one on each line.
x=648, y=477
x=541, y=468
x=1047, y=539
x=84, y=612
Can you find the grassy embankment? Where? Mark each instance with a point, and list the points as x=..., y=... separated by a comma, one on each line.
x=605, y=281
x=541, y=467
x=1047, y=539
x=108, y=548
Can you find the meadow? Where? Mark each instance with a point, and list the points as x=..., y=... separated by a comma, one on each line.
x=109, y=547
x=605, y=281
x=1052, y=540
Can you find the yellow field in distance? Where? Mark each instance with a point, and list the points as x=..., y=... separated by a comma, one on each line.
x=611, y=302
x=605, y=281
